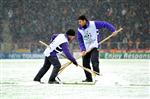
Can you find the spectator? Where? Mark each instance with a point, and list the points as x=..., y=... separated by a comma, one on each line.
x=37, y=19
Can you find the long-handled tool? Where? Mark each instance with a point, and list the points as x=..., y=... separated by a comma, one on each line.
x=114, y=33
x=68, y=63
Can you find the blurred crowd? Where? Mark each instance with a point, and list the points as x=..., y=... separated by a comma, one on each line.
x=25, y=22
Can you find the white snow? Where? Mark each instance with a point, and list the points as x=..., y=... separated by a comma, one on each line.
x=115, y=81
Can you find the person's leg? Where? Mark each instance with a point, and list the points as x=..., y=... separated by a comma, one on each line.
x=86, y=64
x=43, y=70
x=55, y=62
x=95, y=60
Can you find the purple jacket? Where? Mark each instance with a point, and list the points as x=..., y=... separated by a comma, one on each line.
x=99, y=25
x=63, y=47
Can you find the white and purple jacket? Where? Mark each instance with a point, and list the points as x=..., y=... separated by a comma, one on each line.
x=88, y=36
x=59, y=43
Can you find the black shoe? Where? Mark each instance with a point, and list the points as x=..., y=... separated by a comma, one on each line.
x=86, y=80
x=53, y=82
x=39, y=81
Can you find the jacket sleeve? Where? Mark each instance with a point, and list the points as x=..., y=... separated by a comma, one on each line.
x=103, y=24
x=65, y=49
x=81, y=42
x=53, y=36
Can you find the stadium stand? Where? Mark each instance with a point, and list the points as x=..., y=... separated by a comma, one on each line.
x=24, y=22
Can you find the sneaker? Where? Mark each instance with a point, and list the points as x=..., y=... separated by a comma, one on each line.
x=86, y=80
x=53, y=82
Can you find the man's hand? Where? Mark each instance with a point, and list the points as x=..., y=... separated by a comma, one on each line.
x=114, y=33
x=75, y=63
x=83, y=53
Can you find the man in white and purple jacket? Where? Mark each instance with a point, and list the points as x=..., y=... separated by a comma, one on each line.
x=58, y=43
x=88, y=38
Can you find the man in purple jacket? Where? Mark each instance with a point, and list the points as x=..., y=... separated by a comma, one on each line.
x=59, y=43
x=88, y=38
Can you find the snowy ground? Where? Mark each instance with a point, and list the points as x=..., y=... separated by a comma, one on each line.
x=121, y=79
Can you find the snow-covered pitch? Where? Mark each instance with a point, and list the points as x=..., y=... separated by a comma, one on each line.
x=120, y=79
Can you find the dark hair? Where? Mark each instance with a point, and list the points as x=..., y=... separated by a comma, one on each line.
x=82, y=17
x=70, y=32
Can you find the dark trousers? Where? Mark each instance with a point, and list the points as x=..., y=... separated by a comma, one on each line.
x=93, y=57
x=47, y=63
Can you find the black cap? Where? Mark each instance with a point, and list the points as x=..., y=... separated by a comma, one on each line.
x=82, y=17
x=70, y=32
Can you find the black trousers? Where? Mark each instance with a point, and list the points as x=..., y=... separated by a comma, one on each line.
x=93, y=57
x=47, y=63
